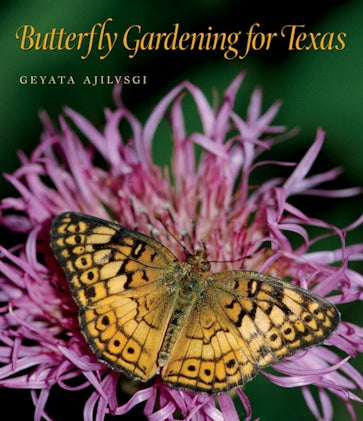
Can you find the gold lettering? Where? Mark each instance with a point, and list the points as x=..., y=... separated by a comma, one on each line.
x=173, y=36
x=60, y=40
x=125, y=40
x=183, y=38
x=257, y=40
x=147, y=41
x=175, y=40
x=299, y=38
x=70, y=38
x=329, y=44
x=292, y=34
x=341, y=41
x=232, y=39
x=314, y=43
x=25, y=32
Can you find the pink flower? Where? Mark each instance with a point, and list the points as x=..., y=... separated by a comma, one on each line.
x=207, y=198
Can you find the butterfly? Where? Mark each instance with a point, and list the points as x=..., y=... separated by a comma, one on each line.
x=141, y=309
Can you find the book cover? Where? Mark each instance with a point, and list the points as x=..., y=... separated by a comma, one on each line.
x=227, y=127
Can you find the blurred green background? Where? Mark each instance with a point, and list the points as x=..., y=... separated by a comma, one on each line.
x=318, y=88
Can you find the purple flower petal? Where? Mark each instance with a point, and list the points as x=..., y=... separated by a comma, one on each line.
x=293, y=183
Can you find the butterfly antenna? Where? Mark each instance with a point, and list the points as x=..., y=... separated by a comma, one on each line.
x=170, y=215
x=232, y=261
x=204, y=246
x=150, y=226
x=163, y=223
x=133, y=209
x=187, y=236
x=194, y=228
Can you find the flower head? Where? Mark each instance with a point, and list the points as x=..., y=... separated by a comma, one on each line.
x=205, y=198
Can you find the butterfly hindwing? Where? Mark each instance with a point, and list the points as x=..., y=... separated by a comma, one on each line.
x=209, y=355
x=246, y=321
x=274, y=318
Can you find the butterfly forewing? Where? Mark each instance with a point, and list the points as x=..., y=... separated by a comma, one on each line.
x=141, y=309
x=117, y=278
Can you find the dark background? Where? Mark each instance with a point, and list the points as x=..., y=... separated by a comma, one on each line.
x=318, y=88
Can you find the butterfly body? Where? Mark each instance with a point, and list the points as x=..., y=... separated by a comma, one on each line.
x=142, y=310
